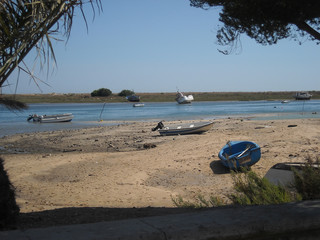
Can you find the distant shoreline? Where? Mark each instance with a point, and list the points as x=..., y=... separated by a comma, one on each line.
x=157, y=97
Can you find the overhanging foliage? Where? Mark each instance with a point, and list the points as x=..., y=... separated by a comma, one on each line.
x=266, y=21
x=29, y=24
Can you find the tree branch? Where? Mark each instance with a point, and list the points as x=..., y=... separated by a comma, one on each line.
x=307, y=28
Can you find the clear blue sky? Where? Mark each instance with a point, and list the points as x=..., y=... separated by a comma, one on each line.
x=159, y=46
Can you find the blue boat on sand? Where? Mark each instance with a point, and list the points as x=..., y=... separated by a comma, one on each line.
x=237, y=154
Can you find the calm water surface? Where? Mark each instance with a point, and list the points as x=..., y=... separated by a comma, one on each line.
x=89, y=114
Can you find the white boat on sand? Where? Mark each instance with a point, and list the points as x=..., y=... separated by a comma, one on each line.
x=181, y=129
x=182, y=99
x=65, y=117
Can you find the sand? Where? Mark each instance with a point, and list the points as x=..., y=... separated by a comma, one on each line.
x=129, y=166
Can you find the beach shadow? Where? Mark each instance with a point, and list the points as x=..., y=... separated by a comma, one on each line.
x=85, y=215
x=217, y=167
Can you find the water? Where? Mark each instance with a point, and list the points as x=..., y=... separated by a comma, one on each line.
x=89, y=114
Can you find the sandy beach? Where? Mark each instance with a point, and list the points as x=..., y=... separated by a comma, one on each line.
x=130, y=167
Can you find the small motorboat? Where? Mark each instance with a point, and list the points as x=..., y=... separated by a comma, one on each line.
x=65, y=117
x=138, y=105
x=181, y=129
x=182, y=99
x=133, y=98
x=237, y=154
x=302, y=96
x=283, y=173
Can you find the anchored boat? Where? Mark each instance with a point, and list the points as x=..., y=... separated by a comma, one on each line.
x=138, y=105
x=133, y=98
x=65, y=117
x=182, y=99
x=302, y=96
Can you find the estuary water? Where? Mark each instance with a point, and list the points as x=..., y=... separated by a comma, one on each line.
x=91, y=114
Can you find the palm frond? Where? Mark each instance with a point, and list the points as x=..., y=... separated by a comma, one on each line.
x=24, y=25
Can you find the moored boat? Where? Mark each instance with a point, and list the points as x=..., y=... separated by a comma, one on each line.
x=65, y=117
x=138, y=105
x=182, y=99
x=237, y=154
x=133, y=98
x=181, y=129
x=302, y=96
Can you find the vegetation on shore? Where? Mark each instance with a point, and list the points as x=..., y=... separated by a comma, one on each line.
x=251, y=189
x=156, y=97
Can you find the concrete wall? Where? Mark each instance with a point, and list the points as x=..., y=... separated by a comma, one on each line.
x=292, y=221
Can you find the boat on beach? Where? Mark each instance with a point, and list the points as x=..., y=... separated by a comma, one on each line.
x=283, y=173
x=182, y=99
x=181, y=129
x=237, y=154
x=65, y=117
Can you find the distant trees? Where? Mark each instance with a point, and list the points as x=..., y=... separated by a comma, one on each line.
x=125, y=93
x=101, y=92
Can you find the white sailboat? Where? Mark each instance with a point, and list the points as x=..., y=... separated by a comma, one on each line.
x=182, y=99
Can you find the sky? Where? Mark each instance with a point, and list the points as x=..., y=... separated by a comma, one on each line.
x=163, y=46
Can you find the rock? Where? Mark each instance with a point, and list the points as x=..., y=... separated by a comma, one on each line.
x=149, y=145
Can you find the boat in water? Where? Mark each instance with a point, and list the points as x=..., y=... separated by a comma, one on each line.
x=65, y=117
x=181, y=129
x=237, y=154
x=138, y=105
x=133, y=98
x=182, y=99
x=302, y=96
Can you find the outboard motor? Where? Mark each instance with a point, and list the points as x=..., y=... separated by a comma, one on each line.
x=159, y=126
x=30, y=117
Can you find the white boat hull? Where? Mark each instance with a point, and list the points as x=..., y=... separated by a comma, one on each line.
x=138, y=105
x=66, y=117
x=191, y=128
x=185, y=99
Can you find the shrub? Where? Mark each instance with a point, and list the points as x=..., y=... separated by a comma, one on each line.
x=125, y=93
x=101, y=92
x=200, y=202
x=9, y=210
x=252, y=189
x=307, y=180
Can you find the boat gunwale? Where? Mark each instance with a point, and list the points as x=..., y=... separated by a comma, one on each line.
x=186, y=130
x=232, y=159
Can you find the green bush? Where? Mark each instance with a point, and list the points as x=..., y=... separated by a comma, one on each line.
x=125, y=93
x=101, y=92
x=9, y=210
x=307, y=180
x=252, y=189
x=200, y=202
